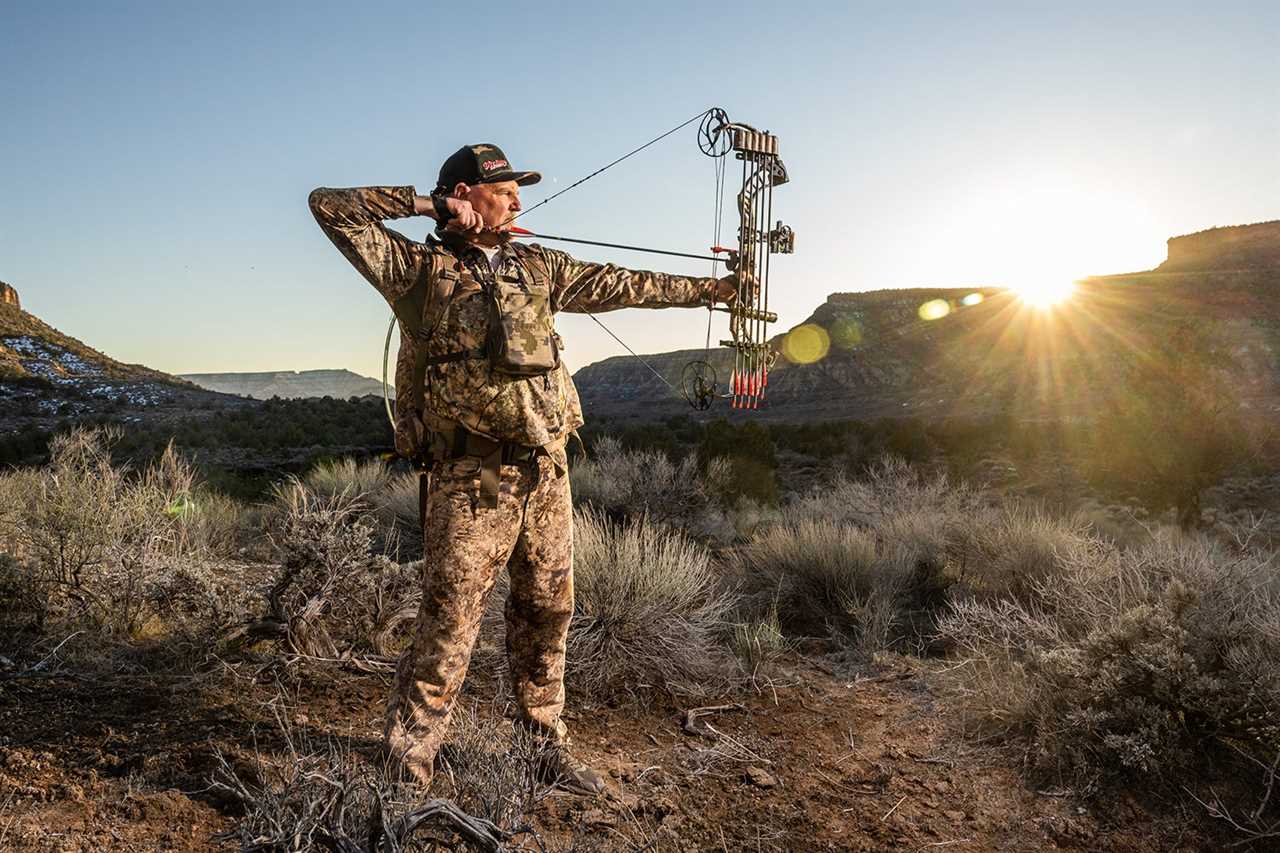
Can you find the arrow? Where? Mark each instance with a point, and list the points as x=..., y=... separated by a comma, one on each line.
x=717, y=250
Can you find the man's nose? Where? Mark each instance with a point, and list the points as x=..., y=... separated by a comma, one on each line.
x=515, y=203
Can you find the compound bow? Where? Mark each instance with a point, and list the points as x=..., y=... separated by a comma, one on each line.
x=749, y=314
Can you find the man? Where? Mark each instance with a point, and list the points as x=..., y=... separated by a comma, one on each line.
x=485, y=405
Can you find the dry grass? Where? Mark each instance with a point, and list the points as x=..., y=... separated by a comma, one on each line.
x=830, y=578
x=319, y=793
x=633, y=483
x=1009, y=550
x=759, y=644
x=649, y=614
x=348, y=477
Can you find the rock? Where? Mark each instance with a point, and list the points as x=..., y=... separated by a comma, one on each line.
x=760, y=777
x=596, y=817
x=9, y=296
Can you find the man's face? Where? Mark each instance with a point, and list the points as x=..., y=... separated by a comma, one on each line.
x=497, y=203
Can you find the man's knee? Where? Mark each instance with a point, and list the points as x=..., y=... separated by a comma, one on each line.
x=541, y=604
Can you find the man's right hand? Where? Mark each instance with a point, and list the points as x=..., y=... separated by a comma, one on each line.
x=465, y=218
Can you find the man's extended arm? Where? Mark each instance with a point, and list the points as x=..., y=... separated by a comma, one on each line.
x=353, y=220
x=592, y=287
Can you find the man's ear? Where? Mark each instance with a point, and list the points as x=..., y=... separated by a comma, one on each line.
x=461, y=190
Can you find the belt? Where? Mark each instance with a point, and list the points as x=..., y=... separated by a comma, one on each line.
x=466, y=443
x=492, y=454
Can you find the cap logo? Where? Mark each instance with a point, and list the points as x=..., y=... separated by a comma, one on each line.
x=490, y=165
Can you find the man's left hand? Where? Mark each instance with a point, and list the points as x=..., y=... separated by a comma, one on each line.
x=725, y=289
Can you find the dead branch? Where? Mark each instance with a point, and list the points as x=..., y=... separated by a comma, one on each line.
x=689, y=718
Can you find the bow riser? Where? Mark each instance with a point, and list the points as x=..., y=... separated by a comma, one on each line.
x=749, y=314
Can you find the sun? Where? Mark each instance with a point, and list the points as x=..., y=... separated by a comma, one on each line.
x=1039, y=231
x=1045, y=293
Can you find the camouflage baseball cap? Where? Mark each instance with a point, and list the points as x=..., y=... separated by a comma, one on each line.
x=481, y=164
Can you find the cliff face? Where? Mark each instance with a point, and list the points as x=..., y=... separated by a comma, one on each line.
x=9, y=296
x=287, y=384
x=1236, y=248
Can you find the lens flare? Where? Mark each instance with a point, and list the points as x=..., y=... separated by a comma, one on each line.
x=806, y=344
x=934, y=309
x=972, y=299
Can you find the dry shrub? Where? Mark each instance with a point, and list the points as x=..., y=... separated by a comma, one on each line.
x=346, y=476
x=332, y=593
x=1148, y=663
x=99, y=546
x=1007, y=551
x=649, y=610
x=845, y=580
x=319, y=793
x=632, y=483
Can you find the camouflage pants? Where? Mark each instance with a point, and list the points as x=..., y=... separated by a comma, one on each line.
x=465, y=547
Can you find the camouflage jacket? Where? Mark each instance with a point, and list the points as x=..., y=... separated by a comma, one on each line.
x=533, y=411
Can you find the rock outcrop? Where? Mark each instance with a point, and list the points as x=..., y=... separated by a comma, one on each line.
x=1239, y=247
x=9, y=295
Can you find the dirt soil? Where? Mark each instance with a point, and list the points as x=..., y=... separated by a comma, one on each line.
x=814, y=759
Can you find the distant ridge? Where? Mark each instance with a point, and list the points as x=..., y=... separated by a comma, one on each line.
x=289, y=384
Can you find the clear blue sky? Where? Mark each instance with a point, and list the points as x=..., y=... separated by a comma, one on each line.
x=155, y=158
